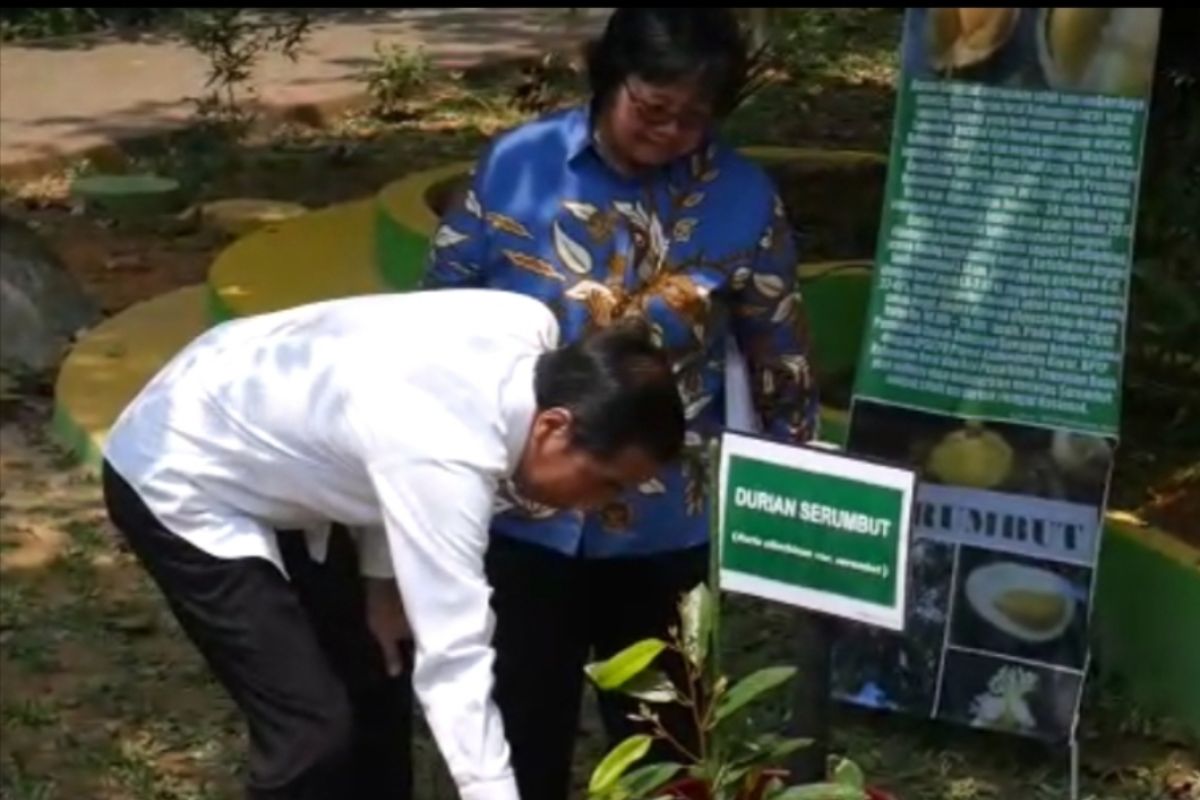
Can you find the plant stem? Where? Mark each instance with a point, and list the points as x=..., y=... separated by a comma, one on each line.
x=695, y=700
x=714, y=560
x=713, y=662
x=659, y=730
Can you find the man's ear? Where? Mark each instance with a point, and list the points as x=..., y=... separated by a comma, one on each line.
x=551, y=423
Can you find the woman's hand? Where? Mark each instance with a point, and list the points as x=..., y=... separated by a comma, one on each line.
x=385, y=618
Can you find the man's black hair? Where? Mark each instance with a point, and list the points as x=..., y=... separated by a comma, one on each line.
x=620, y=389
x=665, y=45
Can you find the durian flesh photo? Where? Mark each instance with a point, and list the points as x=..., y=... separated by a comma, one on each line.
x=1098, y=50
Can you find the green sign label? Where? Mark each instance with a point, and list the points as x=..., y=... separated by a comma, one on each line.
x=813, y=529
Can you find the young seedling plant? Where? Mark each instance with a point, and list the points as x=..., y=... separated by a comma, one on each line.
x=724, y=763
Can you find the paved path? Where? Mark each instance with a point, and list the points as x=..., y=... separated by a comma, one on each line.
x=63, y=99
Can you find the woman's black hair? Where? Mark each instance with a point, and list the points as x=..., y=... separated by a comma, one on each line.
x=620, y=389
x=665, y=45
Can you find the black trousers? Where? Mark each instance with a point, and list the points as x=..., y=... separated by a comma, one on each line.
x=554, y=614
x=324, y=718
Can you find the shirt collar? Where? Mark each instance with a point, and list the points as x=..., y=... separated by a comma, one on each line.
x=518, y=406
x=577, y=132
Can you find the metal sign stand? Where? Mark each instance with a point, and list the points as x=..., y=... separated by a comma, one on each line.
x=1074, y=746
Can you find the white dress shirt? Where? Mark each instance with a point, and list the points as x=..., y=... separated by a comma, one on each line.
x=399, y=414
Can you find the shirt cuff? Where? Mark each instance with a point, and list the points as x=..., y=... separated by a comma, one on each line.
x=496, y=789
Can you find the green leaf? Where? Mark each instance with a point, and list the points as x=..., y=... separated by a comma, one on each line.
x=774, y=784
x=619, y=759
x=750, y=687
x=696, y=610
x=651, y=685
x=730, y=779
x=847, y=773
x=771, y=749
x=614, y=672
x=782, y=748
x=820, y=791
x=641, y=782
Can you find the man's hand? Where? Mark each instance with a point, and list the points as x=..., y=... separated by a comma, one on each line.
x=385, y=618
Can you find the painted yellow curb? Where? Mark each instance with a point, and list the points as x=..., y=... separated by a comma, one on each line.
x=238, y=216
x=317, y=256
x=405, y=200
x=815, y=154
x=112, y=362
x=811, y=270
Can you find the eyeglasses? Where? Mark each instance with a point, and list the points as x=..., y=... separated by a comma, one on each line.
x=653, y=115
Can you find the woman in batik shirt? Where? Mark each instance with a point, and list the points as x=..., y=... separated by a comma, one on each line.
x=628, y=206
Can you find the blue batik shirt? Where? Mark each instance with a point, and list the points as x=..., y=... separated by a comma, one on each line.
x=701, y=248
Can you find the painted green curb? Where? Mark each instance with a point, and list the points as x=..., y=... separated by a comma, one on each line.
x=836, y=295
x=128, y=196
x=399, y=252
x=405, y=222
x=71, y=436
x=1147, y=617
x=218, y=310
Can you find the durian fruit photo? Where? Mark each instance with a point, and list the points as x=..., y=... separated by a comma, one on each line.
x=1098, y=50
x=958, y=38
x=971, y=456
x=985, y=454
